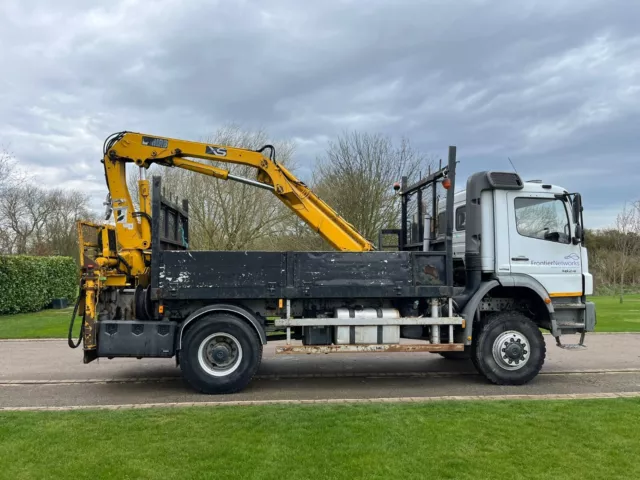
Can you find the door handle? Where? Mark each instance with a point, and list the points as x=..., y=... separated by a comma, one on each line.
x=519, y=259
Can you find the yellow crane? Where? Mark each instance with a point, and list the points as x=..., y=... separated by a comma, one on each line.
x=125, y=261
x=133, y=229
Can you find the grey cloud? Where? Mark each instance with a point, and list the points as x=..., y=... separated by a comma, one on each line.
x=554, y=85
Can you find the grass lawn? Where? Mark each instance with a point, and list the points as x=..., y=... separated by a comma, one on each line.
x=590, y=439
x=612, y=317
x=44, y=324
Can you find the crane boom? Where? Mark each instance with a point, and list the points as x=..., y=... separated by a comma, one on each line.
x=144, y=150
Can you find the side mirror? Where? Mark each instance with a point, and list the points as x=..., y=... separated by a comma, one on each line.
x=577, y=208
x=579, y=235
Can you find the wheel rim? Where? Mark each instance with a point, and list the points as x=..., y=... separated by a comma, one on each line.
x=511, y=350
x=220, y=354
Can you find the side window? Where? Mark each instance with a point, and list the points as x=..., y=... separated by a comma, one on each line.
x=542, y=218
x=461, y=218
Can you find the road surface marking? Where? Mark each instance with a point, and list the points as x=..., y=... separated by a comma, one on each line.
x=563, y=396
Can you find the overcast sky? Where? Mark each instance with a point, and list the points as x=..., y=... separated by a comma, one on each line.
x=554, y=85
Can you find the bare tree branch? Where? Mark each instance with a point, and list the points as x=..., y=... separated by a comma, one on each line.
x=356, y=174
x=627, y=241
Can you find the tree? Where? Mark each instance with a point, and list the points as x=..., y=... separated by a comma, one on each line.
x=59, y=234
x=6, y=169
x=6, y=179
x=25, y=209
x=627, y=240
x=356, y=174
x=35, y=220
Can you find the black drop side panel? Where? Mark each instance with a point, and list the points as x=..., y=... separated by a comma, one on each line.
x=220, y=274
x=367, y=274
x=211, y=275
x=351, y=274
x=328, y=269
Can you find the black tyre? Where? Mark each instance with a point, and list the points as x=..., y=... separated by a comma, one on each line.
x=220, y=354
x=509, y=349
x=466, y=355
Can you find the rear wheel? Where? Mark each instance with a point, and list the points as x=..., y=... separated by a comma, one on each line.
x=509, y=350
x=220, y=354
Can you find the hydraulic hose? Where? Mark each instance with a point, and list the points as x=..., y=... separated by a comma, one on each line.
x=73, y=318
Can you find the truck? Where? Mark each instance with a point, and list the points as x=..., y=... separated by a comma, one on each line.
x=145, y=293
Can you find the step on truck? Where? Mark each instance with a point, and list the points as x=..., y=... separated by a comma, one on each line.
x=144, y=293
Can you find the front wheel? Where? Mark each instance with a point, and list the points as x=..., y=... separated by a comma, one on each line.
x=509, y=350
x=220, y=354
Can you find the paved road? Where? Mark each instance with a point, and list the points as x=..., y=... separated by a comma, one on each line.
x=48, y=373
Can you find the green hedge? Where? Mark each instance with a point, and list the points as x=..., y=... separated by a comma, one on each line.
x=28, y=284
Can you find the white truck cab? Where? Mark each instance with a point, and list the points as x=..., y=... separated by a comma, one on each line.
x=529, y=231
x=525, y=237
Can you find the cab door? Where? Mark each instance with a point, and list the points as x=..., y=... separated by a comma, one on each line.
x=540, y=242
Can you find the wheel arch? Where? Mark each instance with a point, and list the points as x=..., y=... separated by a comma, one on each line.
x=235, y=310
x=514, y=286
